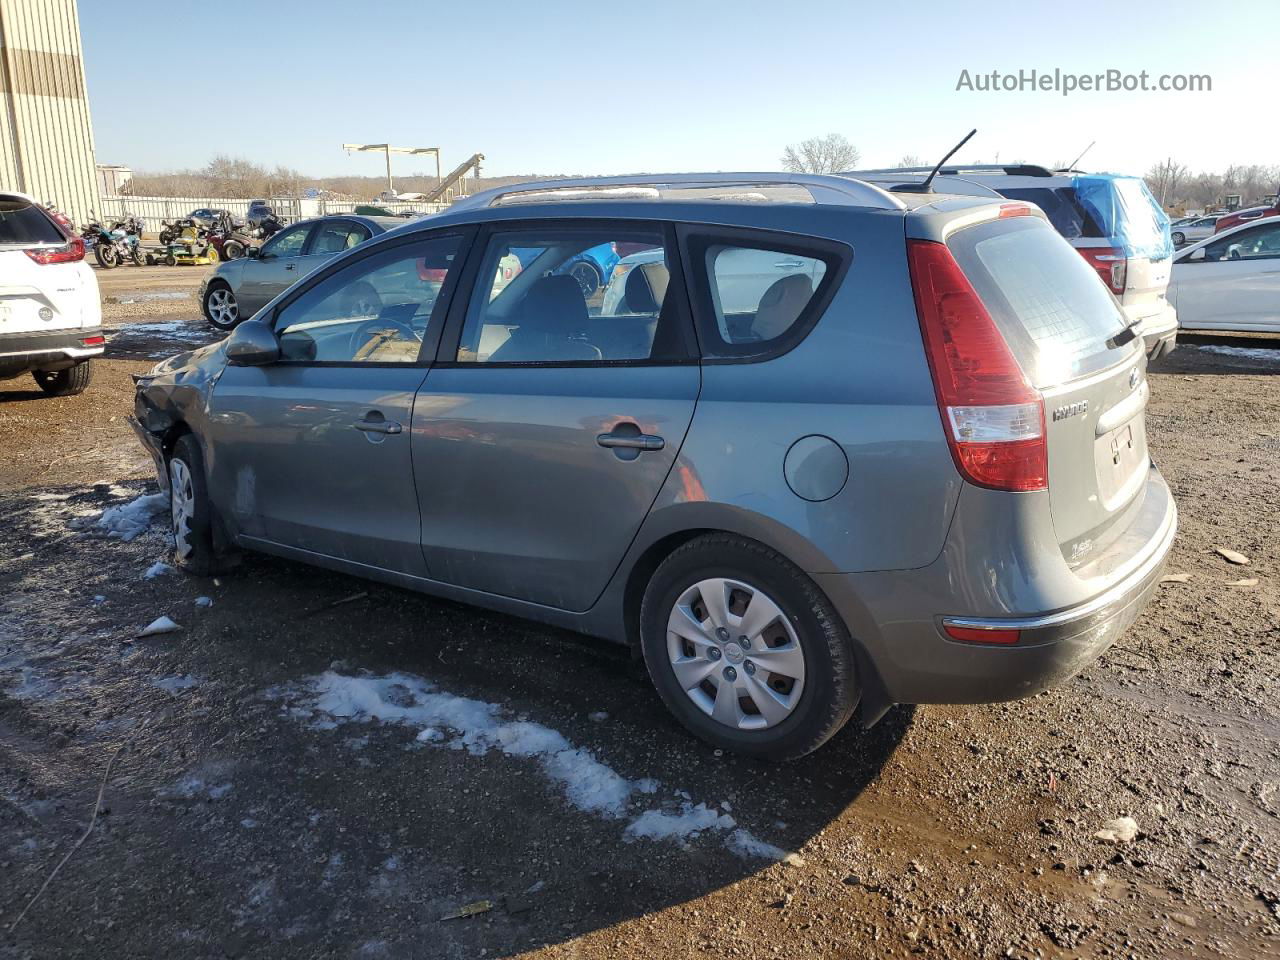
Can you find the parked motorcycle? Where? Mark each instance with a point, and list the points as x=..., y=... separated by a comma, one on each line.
x=121, y=242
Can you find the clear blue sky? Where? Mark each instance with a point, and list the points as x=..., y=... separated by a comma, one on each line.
x=559, y=87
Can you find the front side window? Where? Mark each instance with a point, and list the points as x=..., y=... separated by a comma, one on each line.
x=759, y=299
x=583, y=295
x=287, y=243
x=1259, y=243
x=376, y=310
x=336, y=236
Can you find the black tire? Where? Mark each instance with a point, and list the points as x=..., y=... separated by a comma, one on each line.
x=106, y=255
x=830, y=692
x=151, y=260
x=588, y=277
x=170, y=260
x=65, y=383
x=1178, y=238
x=222, y=322
x=194, y=548
x=166, y=237
x=139, y=258
x=232, y=250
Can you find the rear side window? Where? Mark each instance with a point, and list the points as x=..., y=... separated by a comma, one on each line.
x=1068, y=216
x=759, y=295
x=24, y=223
x=1051, y=307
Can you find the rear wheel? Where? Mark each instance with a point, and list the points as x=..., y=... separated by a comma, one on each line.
x=65, y=383
x=745, y=650
x=190, y=510
x=220, y=307
x=1179, y=238
x=232, y=250
x=139, y=258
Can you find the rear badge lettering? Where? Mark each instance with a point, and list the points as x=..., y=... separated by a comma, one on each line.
x=1070, y=410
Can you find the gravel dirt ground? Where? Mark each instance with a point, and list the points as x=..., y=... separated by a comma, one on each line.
x=248, y=813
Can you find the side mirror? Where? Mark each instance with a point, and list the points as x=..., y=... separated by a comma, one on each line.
x=253, y=252
x=252, y=344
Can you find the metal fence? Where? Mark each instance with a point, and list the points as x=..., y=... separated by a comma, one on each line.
x=155, y=209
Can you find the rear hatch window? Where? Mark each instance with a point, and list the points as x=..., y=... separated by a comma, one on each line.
x=24, y=224
x=1057, y=316
x=1068, y=216
x=1127, y=213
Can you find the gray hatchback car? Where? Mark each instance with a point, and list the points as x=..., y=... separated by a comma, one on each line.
x=236, y=289
x=912, y=470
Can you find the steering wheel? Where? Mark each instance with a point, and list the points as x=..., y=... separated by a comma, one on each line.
x=360, y=335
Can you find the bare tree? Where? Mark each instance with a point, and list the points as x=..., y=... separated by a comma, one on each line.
x=830, y=154
x=910, y=160
x=1164, y=179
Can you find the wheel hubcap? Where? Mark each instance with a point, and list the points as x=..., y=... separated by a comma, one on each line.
x=222, y=306
x=182, y=506
x=735, y=654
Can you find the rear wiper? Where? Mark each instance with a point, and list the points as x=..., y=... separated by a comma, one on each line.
x=1127, y=335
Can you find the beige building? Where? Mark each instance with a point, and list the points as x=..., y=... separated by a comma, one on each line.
x=46, y=140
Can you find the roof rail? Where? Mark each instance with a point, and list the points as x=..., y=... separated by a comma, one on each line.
x=1010, y=169
x=836, y=189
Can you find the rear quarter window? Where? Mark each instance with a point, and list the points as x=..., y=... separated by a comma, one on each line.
x=22, y=222
x=1050, y=305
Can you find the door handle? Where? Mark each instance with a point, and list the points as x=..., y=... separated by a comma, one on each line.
x=288, y=266
x=379, y=426
x=631, y=441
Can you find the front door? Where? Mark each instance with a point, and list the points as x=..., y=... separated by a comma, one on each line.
x=313, y=452
x=542, y=439
x=272, y=270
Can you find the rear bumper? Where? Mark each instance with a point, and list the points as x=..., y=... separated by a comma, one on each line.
x=43, y=350
x=1158, y=328
x=918, y=663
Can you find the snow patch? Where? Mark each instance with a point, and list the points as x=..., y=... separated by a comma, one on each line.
x=175, y=685
x=1269, y=355
x=127, y=520
x=478, y=728
x=157, y=569
x=157, y=626
x=204, y=601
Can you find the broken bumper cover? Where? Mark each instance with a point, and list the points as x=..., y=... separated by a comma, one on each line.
x=153, y=446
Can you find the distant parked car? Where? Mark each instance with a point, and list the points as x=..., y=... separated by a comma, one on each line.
x=258, y=209
x=50, y=313
x=210, y=215
x=1247, y=215
x=237, y=288
x=1196, y=229
x=1113, y=221
x=591, y=268
x=1230, y=281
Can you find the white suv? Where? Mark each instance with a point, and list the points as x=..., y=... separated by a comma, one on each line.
x=50, y=313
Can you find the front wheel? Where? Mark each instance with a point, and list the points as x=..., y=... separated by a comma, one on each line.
x=65, y=383
x=1179, y=239
x=107, y=255
x=220, y=307
x=745, y=650
x=190, y=510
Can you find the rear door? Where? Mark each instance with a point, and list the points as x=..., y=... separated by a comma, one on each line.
x=1070, y=338
x=273, y=270
x=549, y=424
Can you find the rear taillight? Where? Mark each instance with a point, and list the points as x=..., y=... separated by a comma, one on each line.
x=994, y=418
x=69, y=252
x=1111, y=265
x=1015, y=210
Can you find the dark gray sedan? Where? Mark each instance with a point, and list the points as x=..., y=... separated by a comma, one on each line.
x=237, y=289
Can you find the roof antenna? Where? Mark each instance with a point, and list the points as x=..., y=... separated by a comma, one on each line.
x=926, y=186
x=1072, y=164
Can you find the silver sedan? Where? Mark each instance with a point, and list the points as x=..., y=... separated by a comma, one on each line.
x=237, y=289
